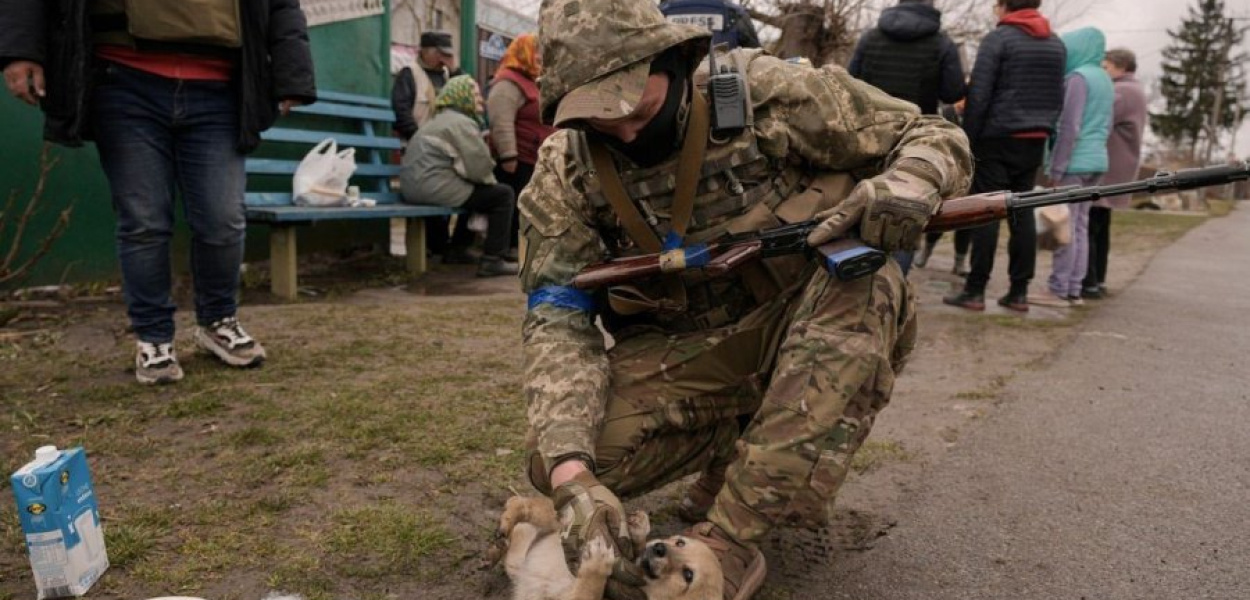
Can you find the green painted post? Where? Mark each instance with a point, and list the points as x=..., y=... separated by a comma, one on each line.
x=468, y=36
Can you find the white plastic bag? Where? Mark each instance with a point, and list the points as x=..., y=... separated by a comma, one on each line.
x=1053, y=226
x=321, y=177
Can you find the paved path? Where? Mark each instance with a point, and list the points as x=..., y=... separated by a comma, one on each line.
x=1119, y=471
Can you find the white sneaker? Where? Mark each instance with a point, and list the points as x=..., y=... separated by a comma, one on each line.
x=156, y=364
x=227, y=340
x=1048, y=298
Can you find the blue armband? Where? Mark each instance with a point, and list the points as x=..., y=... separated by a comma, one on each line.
x=675, y=257
x=562, y=297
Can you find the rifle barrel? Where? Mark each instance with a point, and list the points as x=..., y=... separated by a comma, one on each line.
x=1185, y=179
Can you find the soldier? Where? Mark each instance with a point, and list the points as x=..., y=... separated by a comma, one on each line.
x=765, y=382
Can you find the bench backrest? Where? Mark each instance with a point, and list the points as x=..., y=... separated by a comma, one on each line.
x=361, y=116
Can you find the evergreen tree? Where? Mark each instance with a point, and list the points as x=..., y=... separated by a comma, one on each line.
x=1203, y=82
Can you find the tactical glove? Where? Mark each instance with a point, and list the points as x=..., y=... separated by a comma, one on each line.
x=890, y=209
x=589, y=510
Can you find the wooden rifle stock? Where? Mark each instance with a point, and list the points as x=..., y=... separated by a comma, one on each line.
x=969, y=211
x=724, y=258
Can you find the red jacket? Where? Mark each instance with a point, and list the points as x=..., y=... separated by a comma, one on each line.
x=530, y=132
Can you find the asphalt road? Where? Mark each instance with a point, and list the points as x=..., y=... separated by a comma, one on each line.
x=1121, y=470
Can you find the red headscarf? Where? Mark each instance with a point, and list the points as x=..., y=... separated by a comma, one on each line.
x=522, y=55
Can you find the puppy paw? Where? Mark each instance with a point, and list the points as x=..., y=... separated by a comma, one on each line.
x=513, y=513
x=638, y=525
x=597, y=558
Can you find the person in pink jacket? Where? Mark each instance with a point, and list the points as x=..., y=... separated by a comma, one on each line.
x=1124, y=154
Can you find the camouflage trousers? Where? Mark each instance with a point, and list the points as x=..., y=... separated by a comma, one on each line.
x=807, y=372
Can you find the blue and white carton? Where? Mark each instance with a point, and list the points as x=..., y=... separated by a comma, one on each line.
x=61, y=522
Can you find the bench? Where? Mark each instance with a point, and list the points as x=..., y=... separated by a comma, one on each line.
x=361, y=116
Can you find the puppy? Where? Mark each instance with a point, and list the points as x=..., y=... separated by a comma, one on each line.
x=675, y=568
x=679, y=567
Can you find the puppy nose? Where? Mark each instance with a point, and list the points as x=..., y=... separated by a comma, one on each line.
x=658, y=549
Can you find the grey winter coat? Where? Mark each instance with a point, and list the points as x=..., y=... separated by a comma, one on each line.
x=445, y=160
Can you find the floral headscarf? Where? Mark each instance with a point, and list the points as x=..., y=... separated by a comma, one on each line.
x=457, y=94
x=522, y=55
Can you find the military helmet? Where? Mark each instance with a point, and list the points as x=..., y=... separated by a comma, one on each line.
x=596, y=55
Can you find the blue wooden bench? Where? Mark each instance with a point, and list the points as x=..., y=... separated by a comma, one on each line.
x=364, y=115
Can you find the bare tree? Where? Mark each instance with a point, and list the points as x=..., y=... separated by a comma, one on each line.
x=15, y=219
x=827, y=30
x=821, y=30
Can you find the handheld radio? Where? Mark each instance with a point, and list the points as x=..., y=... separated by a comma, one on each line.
x=727, y=92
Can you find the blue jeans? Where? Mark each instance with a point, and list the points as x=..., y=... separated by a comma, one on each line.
x=154, y=133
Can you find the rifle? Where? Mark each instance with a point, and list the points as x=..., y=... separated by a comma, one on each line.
x=848, y=258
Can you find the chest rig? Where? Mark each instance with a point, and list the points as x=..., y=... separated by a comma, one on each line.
x=732, y=188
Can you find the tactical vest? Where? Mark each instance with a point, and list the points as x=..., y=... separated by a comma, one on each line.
x=908, y=70
x=739, y=190
x=200, y=27
x=530, y=131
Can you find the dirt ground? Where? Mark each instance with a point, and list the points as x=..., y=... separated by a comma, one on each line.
x=371, y=456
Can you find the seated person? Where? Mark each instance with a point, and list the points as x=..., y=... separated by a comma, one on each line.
x=447, y=163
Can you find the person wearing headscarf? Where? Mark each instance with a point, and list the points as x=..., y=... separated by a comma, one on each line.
x=515, y=127
x=447, y=163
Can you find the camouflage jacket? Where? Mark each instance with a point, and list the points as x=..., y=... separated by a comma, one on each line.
x=817, y=119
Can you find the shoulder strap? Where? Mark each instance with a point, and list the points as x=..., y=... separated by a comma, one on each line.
x=689, y=166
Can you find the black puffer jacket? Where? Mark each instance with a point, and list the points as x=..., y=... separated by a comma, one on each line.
x=908, y=57
x=1017, y=81
x=275, y=62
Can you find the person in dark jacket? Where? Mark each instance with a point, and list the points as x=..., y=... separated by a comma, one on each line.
x=1014, y=99
x=172, y=97
x=909, y=57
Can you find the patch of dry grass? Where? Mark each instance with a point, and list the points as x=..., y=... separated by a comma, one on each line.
x=351, y=455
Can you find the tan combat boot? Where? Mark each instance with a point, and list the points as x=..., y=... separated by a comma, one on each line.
x=700, y=497
x=743, y=566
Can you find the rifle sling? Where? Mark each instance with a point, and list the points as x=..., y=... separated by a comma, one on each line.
x=688, y=170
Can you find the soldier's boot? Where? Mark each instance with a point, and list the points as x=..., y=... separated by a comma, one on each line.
x=742, y=565
x=700, y=497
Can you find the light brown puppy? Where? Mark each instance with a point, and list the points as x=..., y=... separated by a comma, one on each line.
x=676, y=568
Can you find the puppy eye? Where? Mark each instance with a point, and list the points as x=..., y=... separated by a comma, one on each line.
x=687, y=574
x=681, y=542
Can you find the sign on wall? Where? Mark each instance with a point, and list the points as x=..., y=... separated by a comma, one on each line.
x=320, y=12
x=493, y=47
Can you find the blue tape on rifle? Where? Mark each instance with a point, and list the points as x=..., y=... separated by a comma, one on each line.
x=695, y=256
x=562, y=297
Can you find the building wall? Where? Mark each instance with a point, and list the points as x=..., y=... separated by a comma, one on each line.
x=409, y=18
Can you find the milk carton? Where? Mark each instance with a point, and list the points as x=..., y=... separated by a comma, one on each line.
x=61, y=521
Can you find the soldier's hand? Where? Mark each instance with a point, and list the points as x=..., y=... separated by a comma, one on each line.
x=24, y=79
x=589, y=510
x=890, y=211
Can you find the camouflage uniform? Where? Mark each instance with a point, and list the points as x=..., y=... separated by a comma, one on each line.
x=805, y=366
